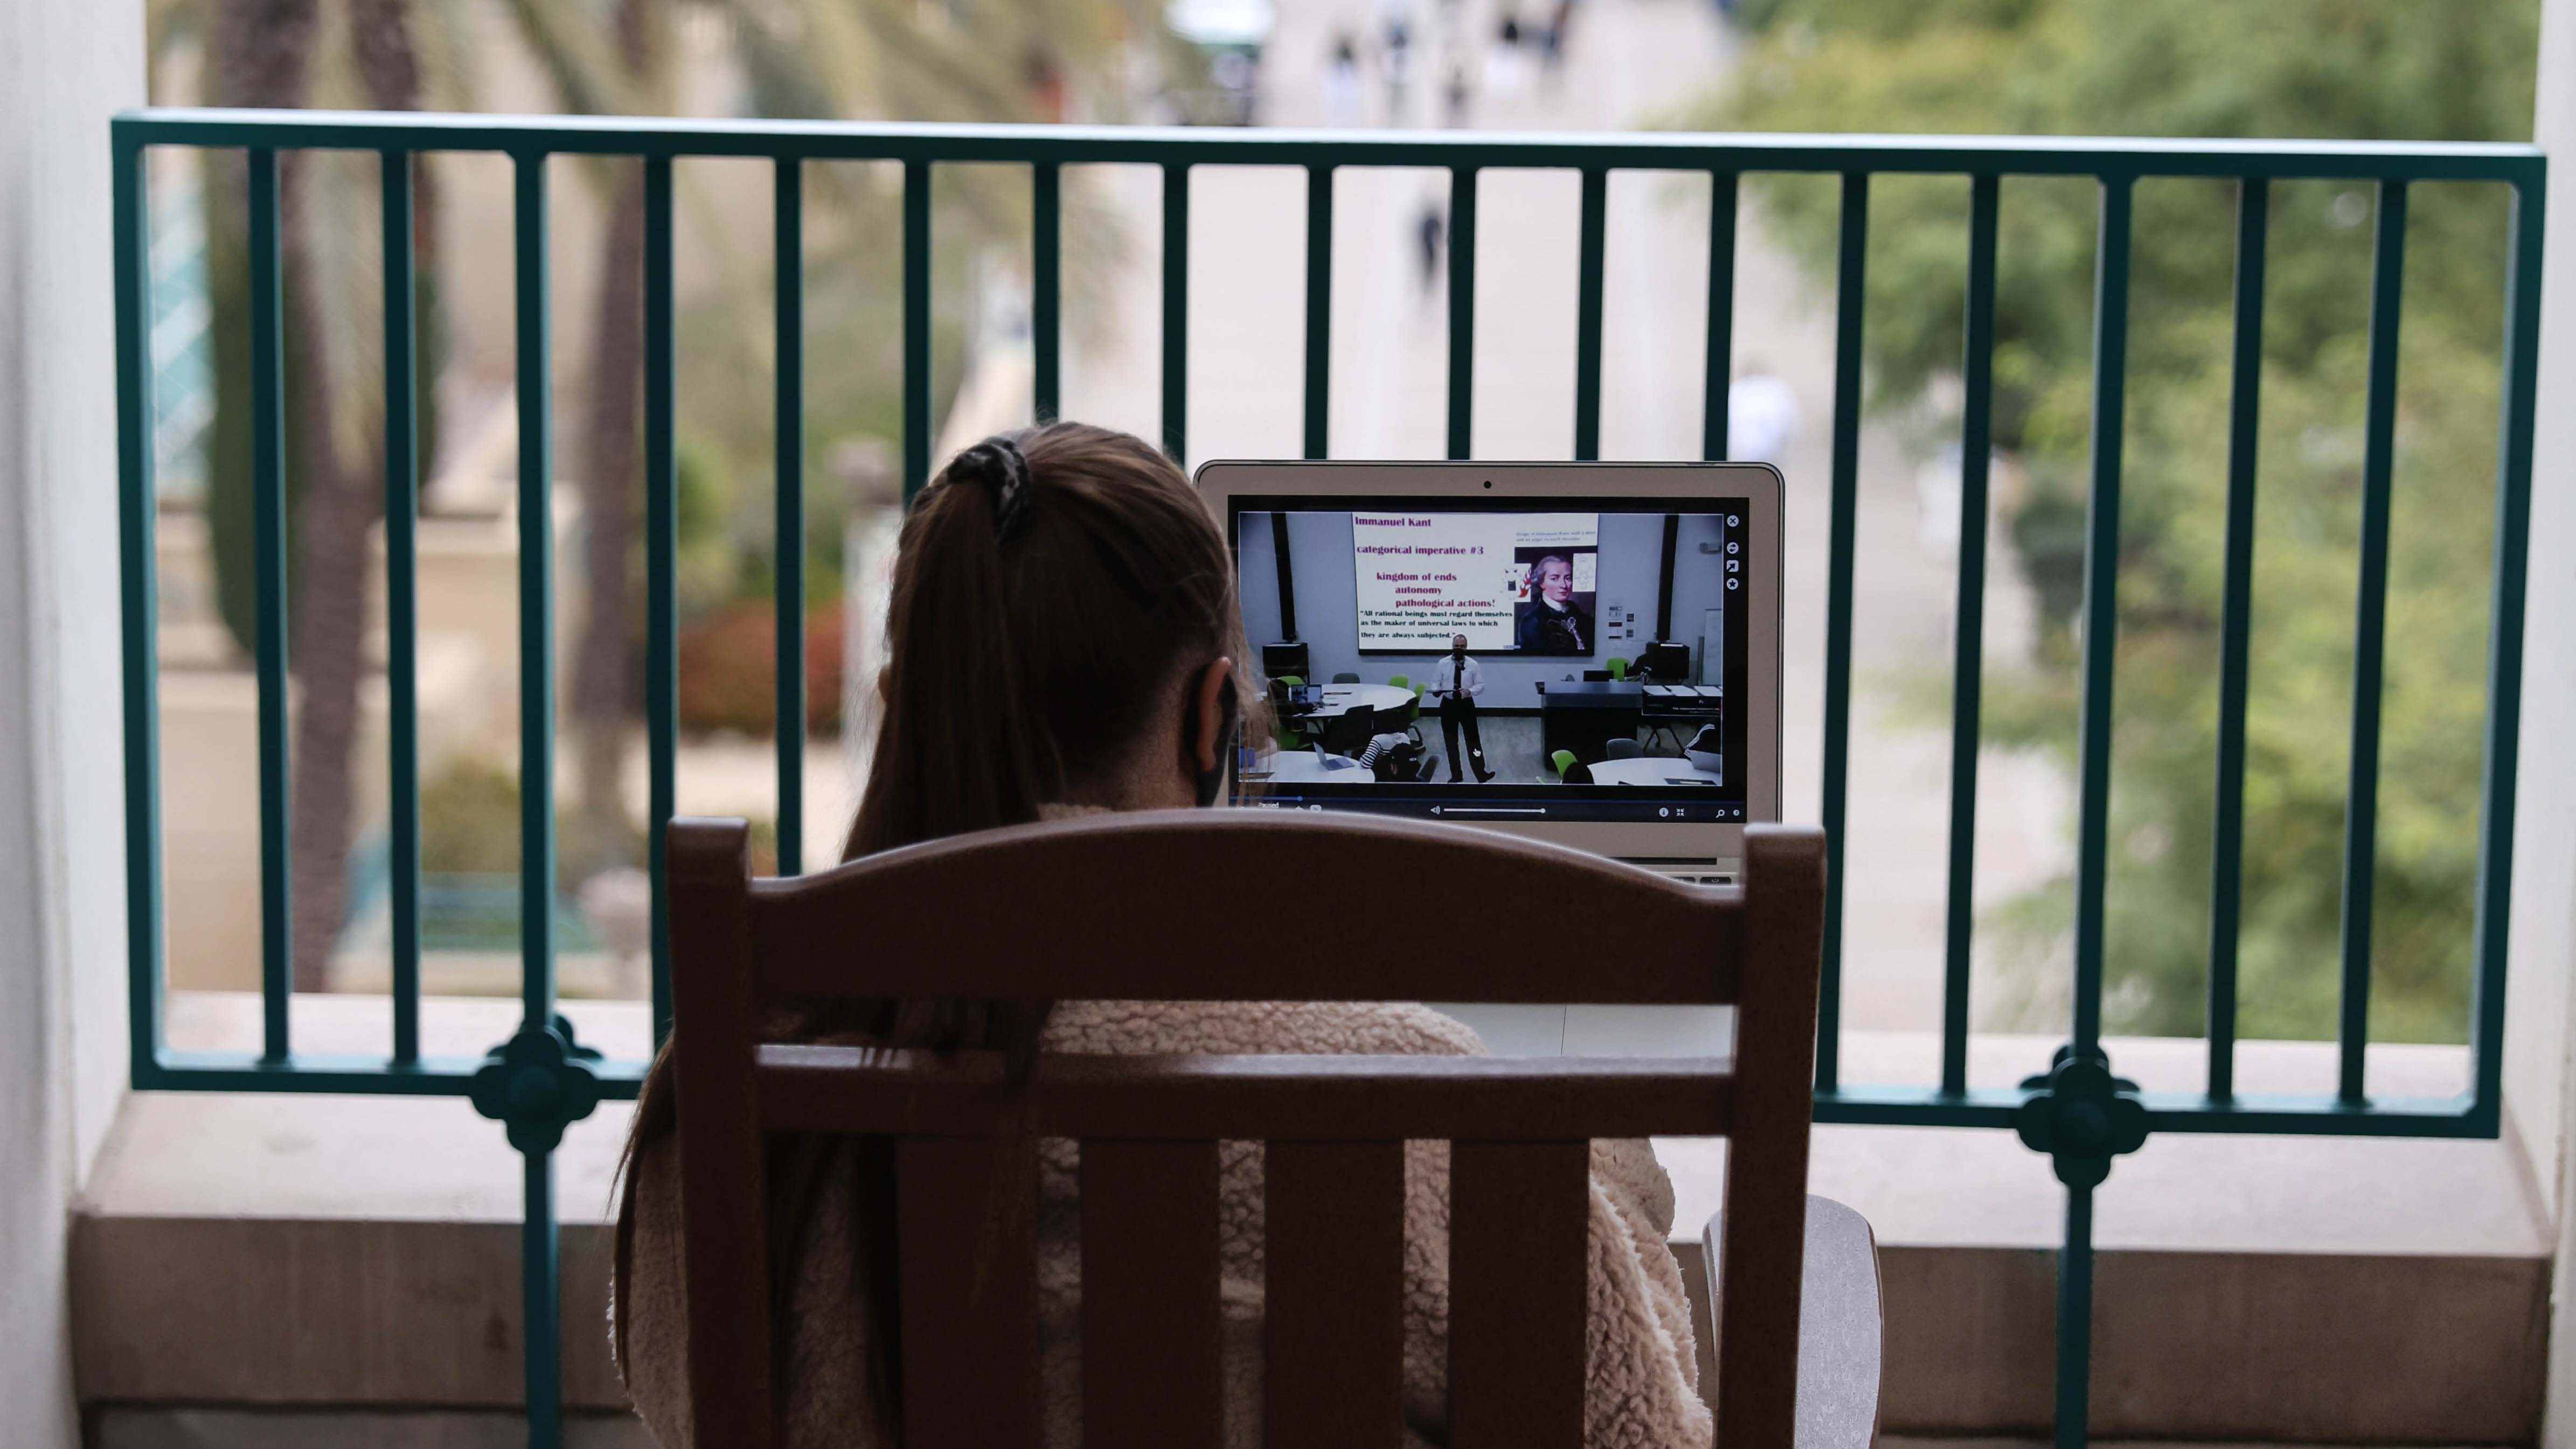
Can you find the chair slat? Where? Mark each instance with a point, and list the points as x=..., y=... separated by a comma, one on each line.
x=807, y=1088
x=1333, y=1303
x=966, y=1225
x=725, y=1262
x=1766, y=1162
x=1518, y=1261
x=1152, y=1371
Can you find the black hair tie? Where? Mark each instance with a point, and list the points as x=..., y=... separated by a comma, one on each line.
x=998, y=465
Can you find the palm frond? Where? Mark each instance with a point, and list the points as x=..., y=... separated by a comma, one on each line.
x=448, y=42
x=574, y=42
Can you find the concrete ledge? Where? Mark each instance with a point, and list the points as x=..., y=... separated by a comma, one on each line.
x=2226, y=1346
x=336, y=1429
x=358, y=1252
x=305, y=1311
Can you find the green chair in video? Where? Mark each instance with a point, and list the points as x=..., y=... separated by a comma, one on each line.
x=1618, y=669
x=1563, y=760
x=1280, y=733
x=1413, y=712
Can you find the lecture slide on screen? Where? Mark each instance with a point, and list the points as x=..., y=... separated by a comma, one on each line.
x=1424, y=578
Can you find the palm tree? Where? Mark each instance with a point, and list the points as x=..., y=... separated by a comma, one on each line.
x=273, y=53
x=808, y=58
x=804, y=58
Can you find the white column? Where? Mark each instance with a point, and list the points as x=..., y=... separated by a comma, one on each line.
x=2537, y=1000
x=65, y=67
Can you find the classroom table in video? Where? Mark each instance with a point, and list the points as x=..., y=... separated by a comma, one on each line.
x=1652, y=770
x=1381, y=701
x=1305, y=767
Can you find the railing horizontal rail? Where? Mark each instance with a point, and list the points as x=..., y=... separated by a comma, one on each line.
x=2301, y=1116
x=899, y=141
x=341, y=1072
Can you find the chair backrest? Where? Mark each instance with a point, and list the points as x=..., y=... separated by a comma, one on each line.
x=1346, y=677
x=1401, y=681
x=1618, y=668
x=1350, y=731
x=1625, y=749
x=1564, y=762
x=1125, y=907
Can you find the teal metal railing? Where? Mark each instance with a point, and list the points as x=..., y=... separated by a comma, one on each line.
x=2078, y=1113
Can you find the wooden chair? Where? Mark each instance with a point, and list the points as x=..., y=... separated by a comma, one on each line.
x=1170, y=906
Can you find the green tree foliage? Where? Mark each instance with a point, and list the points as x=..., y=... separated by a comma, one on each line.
x=2358, y=69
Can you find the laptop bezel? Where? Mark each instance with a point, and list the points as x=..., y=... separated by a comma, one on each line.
x=1221, y=481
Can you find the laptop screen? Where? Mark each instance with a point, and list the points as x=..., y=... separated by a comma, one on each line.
x=1508, y=659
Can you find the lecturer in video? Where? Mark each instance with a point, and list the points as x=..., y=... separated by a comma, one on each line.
x=1552, y=622
x=1455, y=682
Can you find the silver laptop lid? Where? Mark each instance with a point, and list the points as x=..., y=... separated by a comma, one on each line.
x=1552, y=571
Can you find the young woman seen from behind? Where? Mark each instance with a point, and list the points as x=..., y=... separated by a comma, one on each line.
x=1063, y=639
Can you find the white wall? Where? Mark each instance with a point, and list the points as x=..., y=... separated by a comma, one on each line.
x=65, y=66
x=2538, y=1028
x=2543, y=945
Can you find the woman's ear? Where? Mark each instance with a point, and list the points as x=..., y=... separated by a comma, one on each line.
x=1207, y=714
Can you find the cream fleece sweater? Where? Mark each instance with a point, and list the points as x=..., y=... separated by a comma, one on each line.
x=1641, y=1368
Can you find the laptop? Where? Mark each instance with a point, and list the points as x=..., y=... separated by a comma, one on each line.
x=1551, y=571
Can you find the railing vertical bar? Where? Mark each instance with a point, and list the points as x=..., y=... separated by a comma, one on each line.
x=1176, y=310
x=2227, y=846
x=1462, y=311
x=2075, y=1323
x=662, y=558
x=1851, y=268
x=1587, y=315
x=402, y=597
x=136, y=516
x=1319, y=310
x=1046, y=287
x=916, y=327
x=536, y=600
x=1976, y=450
x=1721, y=312
x=788, y=247
x=540, y=1294
x=538, y=1283
x=268, y=513
x=2101, y=618
x=2370, y=629
x=2504, y=646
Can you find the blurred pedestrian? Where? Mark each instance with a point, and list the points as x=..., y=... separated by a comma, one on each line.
x=1342, y=83
x=1431, y=231
x=1761, y=418
x=1504, y=63
x=1396, y=18
x=1455, y=98
x=1551, y=39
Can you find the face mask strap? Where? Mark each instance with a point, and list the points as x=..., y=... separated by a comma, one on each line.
x=1210, y=784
